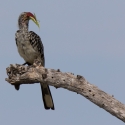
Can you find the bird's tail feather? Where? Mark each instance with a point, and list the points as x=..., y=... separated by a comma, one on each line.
x=47, y=97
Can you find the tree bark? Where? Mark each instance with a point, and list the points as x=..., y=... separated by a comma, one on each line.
x=20, y=74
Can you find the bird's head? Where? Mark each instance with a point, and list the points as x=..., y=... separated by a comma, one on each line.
x=24, y=18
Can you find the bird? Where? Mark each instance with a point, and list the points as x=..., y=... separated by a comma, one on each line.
x=30, y=47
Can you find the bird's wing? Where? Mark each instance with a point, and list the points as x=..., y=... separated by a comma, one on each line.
x=36, y=43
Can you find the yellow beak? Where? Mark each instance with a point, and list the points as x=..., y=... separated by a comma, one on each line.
x=35, y=20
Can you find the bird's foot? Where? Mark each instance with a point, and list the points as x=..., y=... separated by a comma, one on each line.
x=26, y=63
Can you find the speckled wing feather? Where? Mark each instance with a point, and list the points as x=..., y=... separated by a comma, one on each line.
x=36, y=43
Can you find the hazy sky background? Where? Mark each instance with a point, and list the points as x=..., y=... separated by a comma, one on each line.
x=86, y=37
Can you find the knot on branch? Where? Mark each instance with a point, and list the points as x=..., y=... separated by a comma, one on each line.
x=37, y=62
x=17, y=71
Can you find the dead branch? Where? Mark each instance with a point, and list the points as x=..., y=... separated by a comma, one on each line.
x=20, y=74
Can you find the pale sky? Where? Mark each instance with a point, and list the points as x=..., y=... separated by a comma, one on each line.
x=86, y=37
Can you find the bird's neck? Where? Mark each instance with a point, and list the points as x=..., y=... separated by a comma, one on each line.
x=23, y=27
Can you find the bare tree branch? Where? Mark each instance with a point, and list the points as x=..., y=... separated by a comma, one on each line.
x=20, y=74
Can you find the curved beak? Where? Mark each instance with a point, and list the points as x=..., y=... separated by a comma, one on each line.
x=33, y=18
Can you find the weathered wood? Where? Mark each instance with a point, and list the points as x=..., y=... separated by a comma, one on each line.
x=20, y=74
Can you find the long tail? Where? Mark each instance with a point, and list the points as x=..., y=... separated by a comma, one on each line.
x=47, y=97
